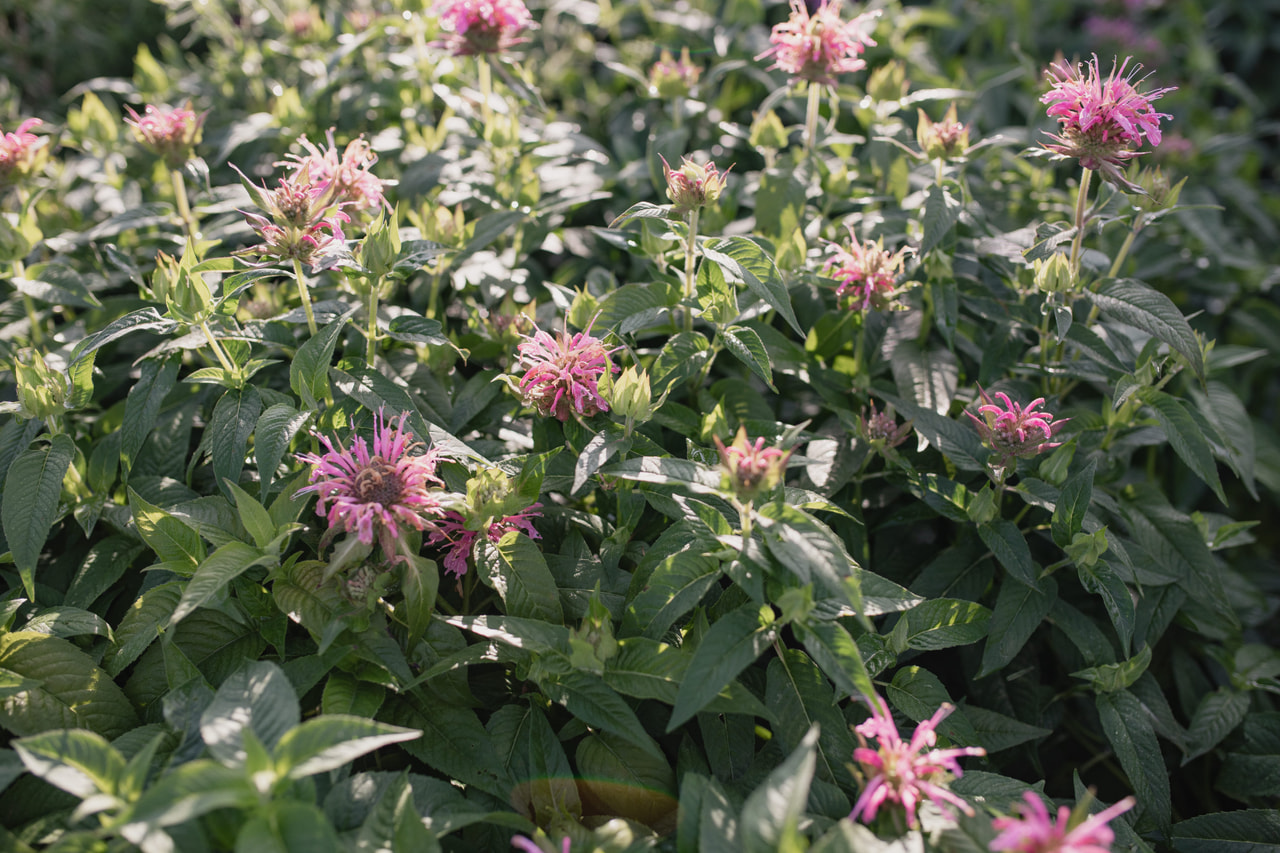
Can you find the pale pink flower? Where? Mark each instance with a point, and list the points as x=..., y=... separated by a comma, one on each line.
x=693, y=187
x=906, y=773
x=304, y=220
x=1035, y=831
x=482, y=26
x=19, y=152
x=375, y=494
x=346, y=175
x=751, y=467
x=817, y=47
x=170, y=133
x=1102, y=122
x=562, y=374
x=867, y=272
x=452, y=530
x=1014, y=432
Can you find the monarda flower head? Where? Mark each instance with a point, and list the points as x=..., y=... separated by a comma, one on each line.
x=906, y=773
x=21, y=152
x=562, y=373
x=1101, y=122
x=816, y=47
x=482, y=26
x=751, y=468
x=1036, y=832
x=493, y=506
x=375, y=493
x=172, y=134
x=673, y=78
x=1012, y=431
x=304, y=220
x=345, y=176
x=867, y=272
x=693, y=187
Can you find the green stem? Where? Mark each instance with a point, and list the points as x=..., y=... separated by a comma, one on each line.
x=305, y=295
x=1124, y=249
x=372, y=335
x=1082, y=204
x=486, y=89
x=184, y=207
x=811, y=117
x=690, y=268
x=677, y=112
x=217, y=348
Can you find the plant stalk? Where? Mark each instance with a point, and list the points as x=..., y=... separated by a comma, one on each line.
x=305, y=295
x=184, y=206
x=690, y=270
x=216, y=347
x=811, y=117
x=1082, y=204
x=372, y=334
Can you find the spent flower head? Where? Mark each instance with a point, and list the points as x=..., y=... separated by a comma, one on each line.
x=1102, y=122
x=1036, y=832
x=881, y=429
x=172, y=134
x=866, y=271
x=750, y=468
x=482, y=26
x=454, y=532
x=21, y=152
x=375, y=492
x=693, y=187
x=816, y=47
x=345, y=176
x=562, y=373
x=906, y=773
x=673, y=78
x=1013, y=431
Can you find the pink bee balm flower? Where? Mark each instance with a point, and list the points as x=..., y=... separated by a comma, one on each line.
x=170, y=133
x=303, y=223
x=1035, y=831
x=1012, y=431
x=19, y=152
x=1101, y=122
x=693, y=187
x=906, y=773
x=750, y=467
x=817, y=47
x=867, y=273
x=562, y=374
x=482, y=26
x=452, y=530
x=373, y=494
x=345, y=176
x=528, y=845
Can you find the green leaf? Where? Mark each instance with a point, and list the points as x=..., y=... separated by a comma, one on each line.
x=144, y=319
x=257, y=697
x=234, y=418
x=834, y=650
x=734, y=642
x=453, y=742
x=1102, y=580
x=681, y=357
x=745, y=345
x=143, y=405
x=1010, y=548
x=677, y=584
x=173, y=541
x=72, y=692
x=1018, y=612
x=191, y=790
x=30, y=503
x=597, y=705
x=1110, y=677
x=80, y=762
x=630, y=782
x=940, y=624
x=919, y=693
x=801, y=699
x=410, y=328
x=771, y=814
x=812, y=551
x=927, y=377
x=1073, y=503
x=941, y=213
x=56, y=284
x=253, y=516
x=329, y=741
x=599, y=450
x=1129, y=731
x=1185, y=436
x=141, y=625
x=1243, y=831
x=666, y=471
x=1228, y=415
x=309, y=370
x=997, y=732
x=68, y=622
x=275, y=429
x=101, y=568
x=344, y=694
x=420, y=583
x=635, y=306
x=1151, y=311
x=641, y=210
x=515, y=568
x=1216, y=716
x=214, y=574
x=745, y=259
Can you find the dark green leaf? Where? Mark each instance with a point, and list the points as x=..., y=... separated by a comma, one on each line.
x=1216, y=716
x=1129, y=730
x=214, y=574
x=30, y=503
x=1010, y=548
x=1243, y=831
x=1151, y=311
x=515, y=568
x=234, y=418
x=1018, y=612
x=309, y=370
x=275, y=429
x=257, y=697
x=1185, y=436
x=1073, y=503
x=940, y=624
x=941, y=213
x=733, y=643
x=745, y=259
x=745, y=344
x=771, y=814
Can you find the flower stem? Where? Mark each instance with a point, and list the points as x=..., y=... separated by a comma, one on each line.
x=216, y=347
x=33, y=319
x=184, y=207
x=486, y=89
x=1125, y=247
x=372, y=335
x=304, y=295
x=1082, y=204
x=811, y=117
x=690, y=268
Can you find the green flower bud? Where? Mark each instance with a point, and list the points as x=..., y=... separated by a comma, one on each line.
x=693, y=187
x=888, y=82
x=944, y=140
x=42, y=391
x=1054, y=275
x=767, y=131
x=632, y=397
x=380, y=248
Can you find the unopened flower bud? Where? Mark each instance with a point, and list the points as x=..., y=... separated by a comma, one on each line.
x=632, y=396
x=943, y=140
x=1158, y=193
x=1054, y=275
x=888, y=82
x=768, y=132
x=42, y=391
x=751, y=468
x=380, y=248
x=672, y=78
x=693, y=187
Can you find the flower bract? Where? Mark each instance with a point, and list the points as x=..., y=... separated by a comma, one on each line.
x=483, y=26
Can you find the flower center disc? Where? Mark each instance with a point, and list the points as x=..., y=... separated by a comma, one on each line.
x=379, y=483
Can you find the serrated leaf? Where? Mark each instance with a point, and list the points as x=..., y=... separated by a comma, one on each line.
x=734, y=642
x=1129, y=731
x=631, y=782
x=141, y=625
x=172, y=540
x=344, y=694
x=1185, y=437
x=771, y=814
x=1010, y=548
x=812, y=551
x=1073, y=504
x=941, y=213
x=515, y=568
x=157, y=379
x=677, y=584
x=410, y=328
x=72, y=691
x=919, y=693
x=940, y=624
x=1018, y=612
x=596, y=704
x=144, y=319
x=234, y=418
x=744, y=344
x=1216, y=716
x=1103, y=581
x=56, y=284
x=68, y=622
x=929, y=378
x=599, y=450
x=641, y=210
x=801, y=699
x=32, y=488
x=1228, y=415
x=309, y=370
x=745, y=258
x=1242, y=831
x=328, y=742
x=1110, y=677
x=257, y=697
x=80, y=762
x=997, y=732
x=276, y=427
x=1151, y=311
x=453, y=742
x=101, y=568
x=834, y=650
x=214, y=574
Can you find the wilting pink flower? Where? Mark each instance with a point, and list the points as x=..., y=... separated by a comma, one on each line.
x=562, y=374
x=170, y=133
x=750, y=467
x=1012, y=431
x=867, y=273
x=482, y=26
x=693, y=187
x=817, y=47
x=881, y=430
x=1101, y=122
x=1035, y=831
x=451, y=530
x=906, y=773
x=304, y=219
x=374, y=494
x=673, y=78
x=19, y=152
x=345, y=176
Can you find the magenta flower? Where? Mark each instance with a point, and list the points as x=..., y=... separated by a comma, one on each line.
x=750, y=467
x=452, y=530
x=528, y=845
x=374, y=495
x=19, y=152
x=482, y=26
x=562, y=374
x=817, y=47
x=906, y=773
x=170, y=133
x=867, y=273
x=1035, y=831
x=304, y=219
x=1101, y=122
x=345, y=176
x=1013, y=432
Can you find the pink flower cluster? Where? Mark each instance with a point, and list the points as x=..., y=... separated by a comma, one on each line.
x=1102, y=122
x=373, y=494
x=751, y=467
x=18, y=152
x=451, y=530
x=482, y=26
x=1014, y=432
x=345, y=176
x=170, y=133
x=303, y=220
x=1036, y=832
x=816, y=47
x=562, y=374
x=906, y=773
x=867, y=273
